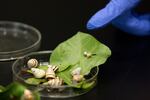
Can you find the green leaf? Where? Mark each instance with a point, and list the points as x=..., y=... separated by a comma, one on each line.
x=67, y=77
x=29, y=71
x=43, y=67
x=2, y=88
x=13, y=90
x=36, y=95
x=88, y=85
x=35, y=81
x=70, y=53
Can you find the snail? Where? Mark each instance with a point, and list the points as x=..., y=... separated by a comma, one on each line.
x=76, y=75
x=50, y=74
x=55, y=68
x=76, y=71
x=55, y=82
x=77, y=78
x=38, y=73
x=88, y=54
x=32, y=63
x=27, y=95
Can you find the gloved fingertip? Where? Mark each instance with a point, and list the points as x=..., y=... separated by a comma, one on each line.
x=90, y=26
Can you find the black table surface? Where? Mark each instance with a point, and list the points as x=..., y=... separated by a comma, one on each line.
x=125, y=75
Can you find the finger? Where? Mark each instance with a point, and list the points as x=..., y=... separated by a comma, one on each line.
x=112, y=10
x=133, y=23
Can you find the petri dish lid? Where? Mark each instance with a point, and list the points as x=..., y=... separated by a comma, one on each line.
x=17, y=39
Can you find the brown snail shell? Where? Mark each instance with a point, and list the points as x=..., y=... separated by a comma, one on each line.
x=32, y=63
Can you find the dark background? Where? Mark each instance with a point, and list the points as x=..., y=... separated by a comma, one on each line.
x=126, y=74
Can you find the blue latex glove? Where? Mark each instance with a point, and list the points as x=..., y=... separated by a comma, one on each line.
x=120, y=14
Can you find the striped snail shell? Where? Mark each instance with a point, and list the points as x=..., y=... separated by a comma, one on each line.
x=50, y=74
x=55, y=68
x=38, y=73
x=55, y=82
x=32, y=63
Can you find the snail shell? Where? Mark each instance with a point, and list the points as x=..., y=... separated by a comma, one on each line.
x=27, y=95
x=77, y=78
x=76, y=71
x=38, y=73
x=86, y=54
x=55, y=82
x=32, y=63
x=55, y=68
x=50, y=74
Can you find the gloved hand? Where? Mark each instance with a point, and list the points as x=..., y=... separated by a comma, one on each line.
x=120, y=14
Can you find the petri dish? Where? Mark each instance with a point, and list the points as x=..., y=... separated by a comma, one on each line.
x=64, y=91
x=16, y=40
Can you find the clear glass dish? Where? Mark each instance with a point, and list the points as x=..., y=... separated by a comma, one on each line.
x=63, y=91
x=17, y=39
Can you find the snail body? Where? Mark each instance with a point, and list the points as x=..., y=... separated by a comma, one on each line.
x=38, y=73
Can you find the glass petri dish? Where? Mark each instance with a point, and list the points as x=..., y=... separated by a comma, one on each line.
x=17, y=39
x=64, y=91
